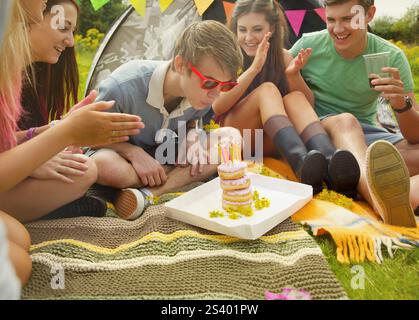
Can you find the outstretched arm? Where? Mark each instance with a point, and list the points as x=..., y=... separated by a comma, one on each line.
x=293, y=67
x=227, y=100
x=84, y=127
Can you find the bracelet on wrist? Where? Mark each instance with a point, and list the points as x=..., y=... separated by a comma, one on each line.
x=30, y=133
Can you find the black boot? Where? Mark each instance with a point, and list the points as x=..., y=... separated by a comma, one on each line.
x=104, y=192
x=87, y=206
x=310, y=167
x=343, y=170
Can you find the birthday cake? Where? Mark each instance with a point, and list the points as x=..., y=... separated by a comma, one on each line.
x=236, y=185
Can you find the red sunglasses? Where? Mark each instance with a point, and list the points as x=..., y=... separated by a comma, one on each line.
x=209, y=84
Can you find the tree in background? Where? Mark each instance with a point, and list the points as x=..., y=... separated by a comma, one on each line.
x=102, y=19
x=405, y=29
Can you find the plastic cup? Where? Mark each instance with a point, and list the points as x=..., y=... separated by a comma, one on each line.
x=374, y=63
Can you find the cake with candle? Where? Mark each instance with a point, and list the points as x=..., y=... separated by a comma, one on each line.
x=236, y=185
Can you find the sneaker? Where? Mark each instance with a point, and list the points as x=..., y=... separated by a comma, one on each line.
x=389, y=184
x=130, y=203
x=343, y=173
x=88, y=206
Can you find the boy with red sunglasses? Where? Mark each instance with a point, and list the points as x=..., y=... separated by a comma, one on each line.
x=165, y=94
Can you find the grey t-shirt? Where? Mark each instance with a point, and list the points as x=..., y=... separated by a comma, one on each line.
x=137, y=88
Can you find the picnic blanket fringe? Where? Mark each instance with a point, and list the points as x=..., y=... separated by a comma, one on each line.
x=359, y=248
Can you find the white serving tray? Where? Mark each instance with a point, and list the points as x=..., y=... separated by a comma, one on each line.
x=286, y=198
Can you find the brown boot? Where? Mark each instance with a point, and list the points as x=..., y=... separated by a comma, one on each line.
x=389, y=184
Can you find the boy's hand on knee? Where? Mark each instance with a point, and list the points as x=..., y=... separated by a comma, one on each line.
x=148, y=169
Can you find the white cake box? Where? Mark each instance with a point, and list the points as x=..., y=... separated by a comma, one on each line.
x=286, y=198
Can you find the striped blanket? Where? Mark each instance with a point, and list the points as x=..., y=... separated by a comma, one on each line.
x=155, y=257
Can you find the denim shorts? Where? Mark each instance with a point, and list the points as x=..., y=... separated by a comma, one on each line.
x=375, y=133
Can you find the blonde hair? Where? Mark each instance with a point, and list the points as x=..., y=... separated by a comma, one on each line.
x=14, y=57
x=213, y=39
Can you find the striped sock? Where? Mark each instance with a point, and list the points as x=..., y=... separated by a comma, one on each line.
x=148, y=196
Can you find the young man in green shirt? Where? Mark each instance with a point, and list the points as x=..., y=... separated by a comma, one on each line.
x=347, y=104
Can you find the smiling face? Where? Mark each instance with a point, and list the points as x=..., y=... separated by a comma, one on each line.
x=47, y=41
x=349, y=42
x=190, y=83
x=34, y=9
x=251, y=28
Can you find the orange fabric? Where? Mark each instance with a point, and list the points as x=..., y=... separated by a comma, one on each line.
x=358, y=232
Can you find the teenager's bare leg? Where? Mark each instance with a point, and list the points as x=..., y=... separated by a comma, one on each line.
x=180, y=177
x=117, y=172
x=414, y=191
x=297, y=105
x=254, y=110
x=19, y=243
x=346, y=133
x=410, y=154
x=35, y=198
x=16, y=232
x=21, y=261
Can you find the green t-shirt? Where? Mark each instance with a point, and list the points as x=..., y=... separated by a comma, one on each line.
x=341, y=85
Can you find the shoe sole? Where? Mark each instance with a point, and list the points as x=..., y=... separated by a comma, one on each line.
x=314, y=170
x=126, y=205
x=389, y=184
x=344, y=172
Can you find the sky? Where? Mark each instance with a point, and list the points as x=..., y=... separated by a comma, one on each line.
x=394, y=8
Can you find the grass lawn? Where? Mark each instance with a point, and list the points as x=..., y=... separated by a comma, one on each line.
x=396, y=278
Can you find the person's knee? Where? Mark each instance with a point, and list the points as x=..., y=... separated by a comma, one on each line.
x=21, y=261
x=267, y=88
x=344, y=122
x=90, y=176
x=294, y=95
x=109, y=169
x=16, y=232
x=292, y=99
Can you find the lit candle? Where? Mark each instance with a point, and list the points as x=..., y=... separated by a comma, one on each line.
x=231, y=152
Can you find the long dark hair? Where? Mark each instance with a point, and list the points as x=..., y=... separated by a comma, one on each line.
x=274, y=68
x=52, y=88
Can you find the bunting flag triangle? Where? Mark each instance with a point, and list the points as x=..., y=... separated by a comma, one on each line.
x=322, y=13
x=228, y=9
x=296, y=17
x=202, y=5
x=164, y=4
x=139, y=6
x=97, y=4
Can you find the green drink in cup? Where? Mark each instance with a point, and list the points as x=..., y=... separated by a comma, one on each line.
x=374, y=64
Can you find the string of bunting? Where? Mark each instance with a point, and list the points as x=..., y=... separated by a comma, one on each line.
x=295, y=17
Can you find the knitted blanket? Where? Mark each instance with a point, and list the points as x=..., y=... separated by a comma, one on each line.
x=156, y=257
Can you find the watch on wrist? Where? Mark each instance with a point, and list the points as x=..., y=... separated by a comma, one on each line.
x=408, y=104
